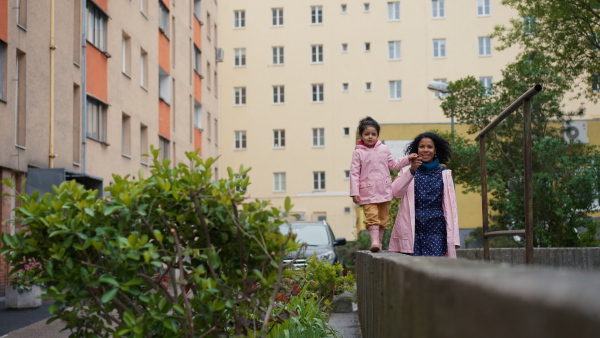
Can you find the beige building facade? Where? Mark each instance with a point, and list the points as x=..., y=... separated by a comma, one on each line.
x=298, y=76
x=87, y=87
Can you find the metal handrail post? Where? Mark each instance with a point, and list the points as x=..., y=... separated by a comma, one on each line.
x=528, y=164
x=484, y=198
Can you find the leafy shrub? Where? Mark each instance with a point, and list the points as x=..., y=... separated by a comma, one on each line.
x=25, y=278
x=172, y=255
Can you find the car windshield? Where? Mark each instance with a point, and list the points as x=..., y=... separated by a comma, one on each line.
x=306, y=233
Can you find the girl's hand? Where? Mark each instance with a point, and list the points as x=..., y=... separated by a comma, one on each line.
x=356, y=199
x=412, y=157
x=416, y=163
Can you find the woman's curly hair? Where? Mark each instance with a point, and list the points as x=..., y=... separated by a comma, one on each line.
x=443, y=150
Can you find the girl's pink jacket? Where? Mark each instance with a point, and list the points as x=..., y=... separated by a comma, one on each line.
x=403, y=235
x=369, y=173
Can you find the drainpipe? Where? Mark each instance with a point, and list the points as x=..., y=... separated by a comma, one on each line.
x=83, y=84
x=51, y=154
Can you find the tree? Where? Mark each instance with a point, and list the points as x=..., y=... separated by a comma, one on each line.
x=568, y=31
x=566, y=178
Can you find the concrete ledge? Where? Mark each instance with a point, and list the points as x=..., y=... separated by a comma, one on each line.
x=403, y=296
x=575, y=258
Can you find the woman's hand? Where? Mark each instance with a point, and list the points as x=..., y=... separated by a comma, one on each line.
x=415, y=163
x=356, y=199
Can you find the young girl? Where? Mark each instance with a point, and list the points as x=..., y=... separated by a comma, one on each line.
x=370, y=181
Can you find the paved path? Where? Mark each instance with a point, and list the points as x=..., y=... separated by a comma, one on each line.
x=346, y=323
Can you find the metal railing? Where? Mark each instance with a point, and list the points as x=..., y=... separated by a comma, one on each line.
x=524, y=100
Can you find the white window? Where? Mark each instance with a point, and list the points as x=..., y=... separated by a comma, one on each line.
x=318, y=137
x=486, y=82
x=96, y=31
x=439, y=48
x=239, y=140
x=164, y=86
x=346, y=174
x=368, y=86
x=239, y=57
x=344, y=8
x=239, y=96
x=163, y=145
x=393, y=11
x=367, y=7
x=316, y=53
x=344, y=47
x=346, y=131
x=279, y=182
x=198, y=9
x=345, y=86
x=279, y=138
x=317, y=92
x=277, y=55
x=395, y=90
x=126, y=54
x=316, y=15
x=485, y=46
x=483, y=7
x=529, y=25
x=197, y=59
x=2, y=70
x=438, y=9
x=277, y=14
x=96, y=120
x=319, y=180
x=367, y=46
x=143, y=68
x=198, y=115
x=438, y=94
x=278, y=94
x=394, y=50
x=239, y=19
x=163, y=22
x=595, y=82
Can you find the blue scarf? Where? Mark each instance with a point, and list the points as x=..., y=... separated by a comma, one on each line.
x=431, y=165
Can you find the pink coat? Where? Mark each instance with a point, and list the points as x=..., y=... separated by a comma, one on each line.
x=403, y=235
x=369, y=173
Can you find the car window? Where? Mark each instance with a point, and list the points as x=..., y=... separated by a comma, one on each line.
x=309, y=234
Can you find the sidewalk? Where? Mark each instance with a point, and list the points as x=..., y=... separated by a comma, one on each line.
x=345, y=318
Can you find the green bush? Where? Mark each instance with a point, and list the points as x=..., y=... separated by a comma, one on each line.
x=172, y=255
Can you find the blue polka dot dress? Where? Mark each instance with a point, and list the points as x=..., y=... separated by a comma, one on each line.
x=430, y=223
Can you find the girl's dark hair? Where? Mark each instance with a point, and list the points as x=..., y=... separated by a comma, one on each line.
x=367, y=122
x=443, y=150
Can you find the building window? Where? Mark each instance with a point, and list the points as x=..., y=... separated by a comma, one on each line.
x=163, y=22
x=76, y=120
x=164, y=85
x=239, y=140
x=344, y=8
x=345, y=86
x=486, y=82
x=394, y=50
x=367, y=7
x=163, y=148
x=96, y=22
x=96, y=120
x=319, y=180
x=208, y=128
x=368, y=86
x=198, y=9
x=316, y=15
x=198, y=115
x=239, y=57
x=144, y=7
x=126, y=135
x=393, y=11
x=279, y=138
x=483, y=7
x=317, y=92
x=395, y=90
x=346, y=174
x=197, y=59
x=367, y=46
x=126, y=54
x=318, y=137
x=316, y=53
x=439, y=95
x=344, y=47
x=346, y=131
x=239, y=96
x=21, y=13
x=346, y=210
x=277, y=14
x=485, y=46
x=278, y=95
x=277, y=55
x=21, y=98
x=595, y=82
x=239, y=19
x=208, y=76
x=529, y=25
x=2, y=70
x=438, y=9
x=143, y=69
x=439, y=48
x=279, y=182
x=143, y=144
x=77, y=34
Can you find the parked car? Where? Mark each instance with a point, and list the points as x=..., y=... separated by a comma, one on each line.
x=319, y=240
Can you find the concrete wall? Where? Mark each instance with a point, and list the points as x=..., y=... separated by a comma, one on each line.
x=402, y=296
x=574, y=258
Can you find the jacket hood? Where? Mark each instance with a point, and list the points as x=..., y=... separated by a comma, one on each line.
x=361, y=145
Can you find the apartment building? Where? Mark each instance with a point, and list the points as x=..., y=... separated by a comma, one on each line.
x=88, y=86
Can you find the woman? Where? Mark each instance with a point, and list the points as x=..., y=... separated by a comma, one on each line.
x=427, y=221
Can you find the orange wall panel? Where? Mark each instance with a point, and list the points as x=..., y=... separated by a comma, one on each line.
x=198, y=140
x=4, y=20
x=97, y=73
x=102, y=4
x=197, y=33
x=167, y=3
x=164, y=119
x=164, y=55
x=197, y=87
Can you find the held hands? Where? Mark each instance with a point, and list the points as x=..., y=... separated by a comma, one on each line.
x=415, y=162
x=356, y=199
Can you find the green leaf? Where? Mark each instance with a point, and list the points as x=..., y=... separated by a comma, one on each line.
x=110, y=209
x=109, y=295
x=109, y=280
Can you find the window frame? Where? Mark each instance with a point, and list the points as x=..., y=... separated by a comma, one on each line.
x=487, y=82
x=395, y=90
x=239, y=57
x=279, y=182
x=97, y=22
x=277, y=17
x=318, y=95
x=439, y=47
x=483, y=8
x=394, y=50
x=316, y=54
x=239, y=140
x=197, y=115
x=163, y=18
x=393, y=10
x=278, y=94
x=3, y=69
x=278, y=138
x=96, y=122
x=278, y=55
x=318, y=137
x=239, y=96
x=438, y=9
x=239, y=19
x=439, y=95
x=316, y=15
x=319, y=181
x=485, y=46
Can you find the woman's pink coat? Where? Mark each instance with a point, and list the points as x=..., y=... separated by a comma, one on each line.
x=369, y=173
x=403, y=235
